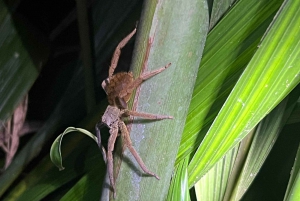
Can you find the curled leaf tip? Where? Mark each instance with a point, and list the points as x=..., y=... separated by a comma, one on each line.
x=61, y=168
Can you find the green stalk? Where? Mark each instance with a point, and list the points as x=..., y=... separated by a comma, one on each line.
x=178, y=29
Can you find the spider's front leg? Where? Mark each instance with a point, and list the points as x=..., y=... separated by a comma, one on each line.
x=110, y=161
x=128, y=143
x=117, y=53
x=138, y=81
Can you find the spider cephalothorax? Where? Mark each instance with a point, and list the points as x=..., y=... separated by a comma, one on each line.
x=119, y=88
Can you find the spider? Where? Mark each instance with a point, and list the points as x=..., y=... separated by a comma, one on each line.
x=119, y=88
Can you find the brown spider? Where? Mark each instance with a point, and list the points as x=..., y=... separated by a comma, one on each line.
x=119, y=88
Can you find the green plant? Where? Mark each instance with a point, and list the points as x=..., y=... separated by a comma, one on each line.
x=243, y=104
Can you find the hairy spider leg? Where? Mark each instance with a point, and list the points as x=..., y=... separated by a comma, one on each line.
x=145, y=115
x=128, y=143
x=138, y=81
x=117, y=53
x=111, y=143
x=103, y=151
x=150, y=74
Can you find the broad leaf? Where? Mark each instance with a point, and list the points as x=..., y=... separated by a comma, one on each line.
x=179, y=189
x=271, y=74
x=213, y=184
x=18, y=63
x=228, y=49
x=293, y=189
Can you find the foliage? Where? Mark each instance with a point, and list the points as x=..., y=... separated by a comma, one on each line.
x=241, y=111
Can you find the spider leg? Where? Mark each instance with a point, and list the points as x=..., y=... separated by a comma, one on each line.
x=133, y=85
x=117, y=53
x=145, y=115
x=103, y=151
x=128, y=142
x=111, y=143
x=150, y=74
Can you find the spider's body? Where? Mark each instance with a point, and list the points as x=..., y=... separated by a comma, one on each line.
x=119, y=88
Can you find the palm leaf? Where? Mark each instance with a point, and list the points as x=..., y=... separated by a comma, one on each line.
x=18, y=68
x=229, y=48
x=269, y=77
x=293, y=188
x=178, y=189
x=212, y=186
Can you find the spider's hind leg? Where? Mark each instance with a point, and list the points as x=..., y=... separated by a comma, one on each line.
x=103, y=151
x=128, y=142
x=110, y=161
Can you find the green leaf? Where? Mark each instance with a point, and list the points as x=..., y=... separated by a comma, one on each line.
x=218, y=10
x=229, y=48
x=293, y=189
x=81, y=159
x=179, y=189
x=265, y=136
x=88, y=187
x=55, y=151
x=271, y=74
x=213, y=184
x=295, y=116
x=18, y=69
